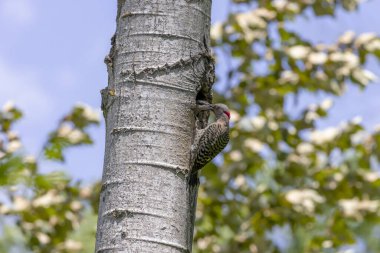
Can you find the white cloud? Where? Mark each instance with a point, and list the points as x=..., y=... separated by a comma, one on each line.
x=20, y=12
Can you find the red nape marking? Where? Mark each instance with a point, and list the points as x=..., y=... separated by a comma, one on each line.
x=228, y=114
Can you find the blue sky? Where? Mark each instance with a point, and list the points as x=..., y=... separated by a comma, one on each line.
x=51, y=57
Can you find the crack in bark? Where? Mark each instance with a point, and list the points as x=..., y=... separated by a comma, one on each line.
x=129, y=14
x=112, y=249
x=121, y=213
x=159, y=84
x=146, y=239
x=137, y=129
x=124, y=130
x=166, y=243
x=164, y=35
x=165, y=166
x=144, y=73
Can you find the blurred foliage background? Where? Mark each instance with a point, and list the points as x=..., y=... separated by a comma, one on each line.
x=282, y=185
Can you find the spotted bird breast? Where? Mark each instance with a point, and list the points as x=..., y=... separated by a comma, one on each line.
x=214, y=139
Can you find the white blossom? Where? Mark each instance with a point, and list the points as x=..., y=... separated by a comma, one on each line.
x=216, y=31
x=293, y=7
x=376, y=128
x=234, y=116
x=311, y=116
x=269, y=54
x=245, y=124
x=255, y=34
x=253, y=248
x=89, y=113
x=75, y=136
x=248, y=19
x=321, y=160
x=4, y=209
x=265, y=13
x=253, y=26
x=357, y=120
x=270, y=113
x=317, y=58
x=216, y=248
x=338, y=176
x=305, y=148
x=75, y=205
x=13, y=146
x=40, y=223
x=43, y=238
x=359, y=137
x=20, y=204
x=300, y=159
x=364, y=38
x=351, y=60
x=48, y=199
x=320, y=75
x=298, y=52
x=29, y=159
x=292, y=130
x=326, y=104
x=280, y=4
x=343, y=71
x=11, y=135
x=53, y=220
x=371, y=176
x=258, y=122
x=273, y=125
x=254, y=144
x=70, y=216
x=320, y=137
x=373, y=45
x=288, y=76
x=323, y=47
x=236, y=156
x=364, y=76
x=352, y=207
x=347, y=37
x=229, y=29
x=85, y=192
x=8, y=106
x=203, y=243
x=240, y=180
x=72, y=245
x=306, y=198
x=64, y=130
x=327, y=244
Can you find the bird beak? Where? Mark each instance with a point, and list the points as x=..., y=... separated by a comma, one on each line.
x=203, y=106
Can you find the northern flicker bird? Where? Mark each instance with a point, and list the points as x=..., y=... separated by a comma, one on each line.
x=211, y=140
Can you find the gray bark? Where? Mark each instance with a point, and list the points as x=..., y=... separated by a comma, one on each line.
x=159, y=64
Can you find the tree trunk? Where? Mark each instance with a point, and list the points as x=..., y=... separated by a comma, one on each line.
x=159, y=64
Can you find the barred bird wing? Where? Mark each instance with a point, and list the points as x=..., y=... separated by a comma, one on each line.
x=211, y=142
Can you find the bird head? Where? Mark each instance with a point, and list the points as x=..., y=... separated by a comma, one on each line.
x=220, y=109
